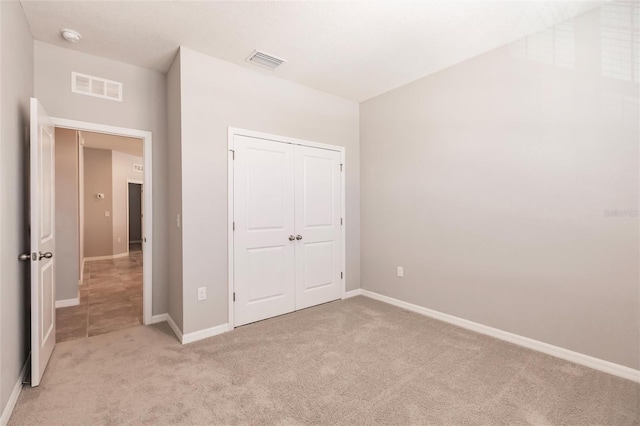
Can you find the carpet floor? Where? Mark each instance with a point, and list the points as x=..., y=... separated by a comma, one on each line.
x=350, y=362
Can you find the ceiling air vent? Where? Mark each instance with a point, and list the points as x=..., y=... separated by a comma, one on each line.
x=95, y=86
x=265, y=60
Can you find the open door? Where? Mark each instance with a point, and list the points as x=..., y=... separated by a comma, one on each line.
x=43, y=286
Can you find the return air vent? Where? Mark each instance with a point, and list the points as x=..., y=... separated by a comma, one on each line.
x=265, y=60
x=95, y=86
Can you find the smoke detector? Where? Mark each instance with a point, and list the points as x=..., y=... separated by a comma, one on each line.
x=70, y=35
x=265, y=60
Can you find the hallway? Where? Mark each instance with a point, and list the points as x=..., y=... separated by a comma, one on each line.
x=110, y=299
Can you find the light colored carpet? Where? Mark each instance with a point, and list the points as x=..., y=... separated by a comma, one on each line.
x=356, y=361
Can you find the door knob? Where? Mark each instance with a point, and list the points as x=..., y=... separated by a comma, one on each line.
x=291, y=238
x=47, y=255
x=24, y=257
x=298, y=237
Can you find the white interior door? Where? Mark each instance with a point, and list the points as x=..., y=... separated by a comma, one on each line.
x=264, y=242
x=318, y=246
x=43, y=287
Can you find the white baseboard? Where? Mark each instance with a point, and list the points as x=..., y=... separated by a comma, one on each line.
x=352, y=293
x=68, y=302
x=11, y=403
x=566, y=354
x=196, y=335
x=159, y=318
x=203, y=334
x=107, y=257
x=174, y=327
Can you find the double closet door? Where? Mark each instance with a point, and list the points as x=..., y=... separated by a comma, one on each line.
x=287, y=228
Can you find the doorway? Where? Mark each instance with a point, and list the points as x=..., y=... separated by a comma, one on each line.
x=134, y=215
x=113, y=273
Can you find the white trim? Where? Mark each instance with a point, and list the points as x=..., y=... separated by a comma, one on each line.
x=159, y=318
x=206, y=333
x=65, y=303
x=147, y=275
x=562, y=353
x=233, y=131
x=13, y=398
x=277, y=138
x=107, y=257
x=174, y=327
x=352, y=293
x=137, y=182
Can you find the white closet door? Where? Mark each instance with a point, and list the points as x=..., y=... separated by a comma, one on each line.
x=318, y=248
x=264, y=226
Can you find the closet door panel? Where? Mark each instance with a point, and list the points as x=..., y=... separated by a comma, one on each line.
x=318, y=228
x=264, y=222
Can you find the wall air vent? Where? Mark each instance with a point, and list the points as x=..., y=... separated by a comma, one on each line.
x=95, y=86
x=265, y=60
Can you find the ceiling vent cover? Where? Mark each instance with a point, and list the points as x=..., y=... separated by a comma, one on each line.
x=95, y=86
x=265, y=60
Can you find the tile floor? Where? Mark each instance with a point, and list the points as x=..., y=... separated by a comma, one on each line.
x=110, y=299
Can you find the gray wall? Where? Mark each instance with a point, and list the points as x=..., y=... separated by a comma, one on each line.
x=67, y=215
x=98, y=178
x=490, y=183
x=135, y=212
x=215, y=95
x=143, y=107
x=16, y=86
x=174, y=115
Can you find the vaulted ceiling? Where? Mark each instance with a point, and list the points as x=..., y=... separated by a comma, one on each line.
x=353, y=49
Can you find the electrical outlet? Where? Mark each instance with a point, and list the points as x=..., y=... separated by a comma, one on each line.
x=178, y=221
x=202, y=293
x=400, y=271
x=107, y=213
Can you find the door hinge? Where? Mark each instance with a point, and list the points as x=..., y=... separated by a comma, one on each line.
x=234, y=226
x=341, y=166
x=341, y=275
x=233, y=154
x=234, y=296
x=340, y=221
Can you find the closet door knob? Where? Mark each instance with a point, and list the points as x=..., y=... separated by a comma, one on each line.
x=298, y=237
x=291, y=238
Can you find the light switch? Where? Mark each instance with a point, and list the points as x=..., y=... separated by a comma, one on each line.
x=107, y=213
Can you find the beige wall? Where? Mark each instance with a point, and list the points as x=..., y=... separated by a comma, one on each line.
x=67, y=250
x=143, y=107
x=98, y=178
x=490, y=183
x=122, y=171
x=175, y=191
x=215, y=95
x=16, y=86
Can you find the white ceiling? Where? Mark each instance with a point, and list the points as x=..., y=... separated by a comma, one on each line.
x=131, y=146
x=354, y=49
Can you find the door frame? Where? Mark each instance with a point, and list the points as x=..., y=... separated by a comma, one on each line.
x=141, y=183
x=147, y=254
x=231, y=133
